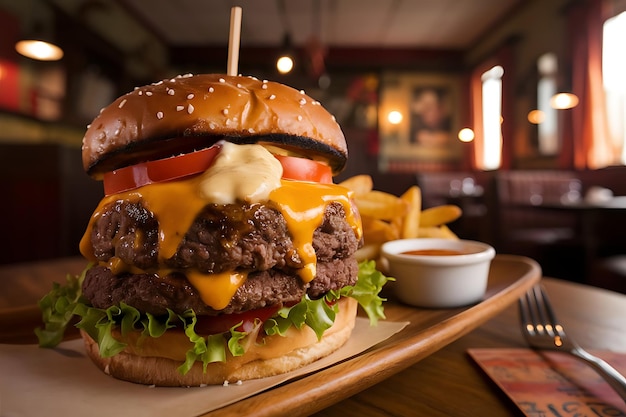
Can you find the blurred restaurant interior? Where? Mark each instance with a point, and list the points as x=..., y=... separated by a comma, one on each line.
x=470, y=84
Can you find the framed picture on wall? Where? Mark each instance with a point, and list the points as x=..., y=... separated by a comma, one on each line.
x=418, y=119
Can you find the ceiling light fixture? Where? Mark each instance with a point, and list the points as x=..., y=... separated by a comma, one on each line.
x=39, y=49
x=536, y=117
x=37, y=43
x=395, y=117
x=466, y=135
x=285, y=62
x=563, y=101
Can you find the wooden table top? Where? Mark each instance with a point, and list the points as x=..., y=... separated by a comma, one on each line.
x=445, y=383
x=448, y=383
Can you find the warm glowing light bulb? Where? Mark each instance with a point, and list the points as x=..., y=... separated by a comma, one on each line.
x=536, y=117
x=562, y=101
x=394, y=117
x=466, y=134
x=39, y=50
x=284, y=64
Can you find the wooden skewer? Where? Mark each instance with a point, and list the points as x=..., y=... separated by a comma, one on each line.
x=233, y=40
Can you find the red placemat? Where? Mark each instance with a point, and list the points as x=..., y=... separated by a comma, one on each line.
x=552, y=383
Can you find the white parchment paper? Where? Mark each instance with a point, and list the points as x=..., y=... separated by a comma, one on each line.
x=64, y=382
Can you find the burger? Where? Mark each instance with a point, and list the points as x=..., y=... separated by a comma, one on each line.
x=222, y=250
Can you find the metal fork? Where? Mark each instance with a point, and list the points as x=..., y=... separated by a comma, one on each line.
x=543, y=331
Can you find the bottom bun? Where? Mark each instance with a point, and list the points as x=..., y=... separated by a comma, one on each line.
x=155, y=361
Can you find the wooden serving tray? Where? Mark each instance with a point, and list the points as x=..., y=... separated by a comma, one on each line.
x=429, y=330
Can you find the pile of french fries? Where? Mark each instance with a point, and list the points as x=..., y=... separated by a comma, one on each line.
x=388, y=217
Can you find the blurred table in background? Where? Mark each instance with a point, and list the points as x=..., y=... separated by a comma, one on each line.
x=599, y=232
x=22, y=285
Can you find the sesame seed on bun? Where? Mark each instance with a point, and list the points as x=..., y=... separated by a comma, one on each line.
x=190, y=112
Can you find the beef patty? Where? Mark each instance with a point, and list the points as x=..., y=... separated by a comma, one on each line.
x=252, y=237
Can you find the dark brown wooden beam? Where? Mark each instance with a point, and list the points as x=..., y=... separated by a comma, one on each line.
x=337, y=59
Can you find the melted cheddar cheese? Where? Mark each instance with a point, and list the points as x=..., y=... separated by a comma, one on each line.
x=216, y=290
x=302, y=205
x=176, y=204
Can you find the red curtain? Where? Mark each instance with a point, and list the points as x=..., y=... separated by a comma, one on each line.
x=585, y=140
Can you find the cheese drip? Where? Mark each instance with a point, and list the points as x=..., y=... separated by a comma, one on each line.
x=216, y=290
x=176, y=204
x=302, y=204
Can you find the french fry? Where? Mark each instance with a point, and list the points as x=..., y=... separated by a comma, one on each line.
x=359, y=184
x=447, y=233
x=381, y=205
x=367, y=252
x=378, y=231
x=441, y=232
x=436, y=216
x=386, y=217
x=410, y=226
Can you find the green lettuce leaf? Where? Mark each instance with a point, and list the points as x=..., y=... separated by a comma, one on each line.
x=316, y=314
x=367, y=291
x=66, y=301
x=58, y=308
x=205, y=349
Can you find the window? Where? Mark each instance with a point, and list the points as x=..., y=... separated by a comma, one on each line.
x=491, y=157
x=614, y=82
x=547, y=128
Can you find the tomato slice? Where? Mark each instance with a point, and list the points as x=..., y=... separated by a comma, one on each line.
x=207, y=325
x=177, y=167
x=167, y=169
x=302, y=169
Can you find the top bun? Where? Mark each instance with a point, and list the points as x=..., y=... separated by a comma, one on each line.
x=193, y=112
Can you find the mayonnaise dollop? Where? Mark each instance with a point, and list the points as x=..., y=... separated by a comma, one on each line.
x=241, y=173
